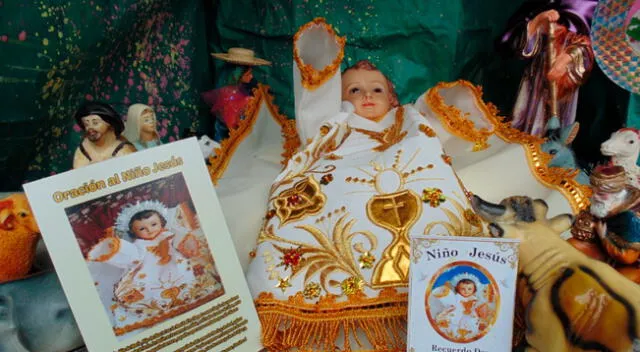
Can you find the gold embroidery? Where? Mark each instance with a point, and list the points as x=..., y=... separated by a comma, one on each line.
x=433, y=196
x=366, y=260
x=312, y=78
x=307, y=159
x=396, y=212
x=333, y=253
x=291, y=142
x=290, y=257
x=228, y=146
x=352, y=285
x=382, y=321
x=428, y=131
x=464, y=223
x=283, y=283
x=447, y=159
x=312, y=290
x=453, y=121
x=390, y=135
x=560, y=179
x=303, y=199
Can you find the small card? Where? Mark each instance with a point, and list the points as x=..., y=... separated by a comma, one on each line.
x=144, y=255
x=462, y=294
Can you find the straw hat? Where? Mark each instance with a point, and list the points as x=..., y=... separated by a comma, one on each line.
x=616, y=50
x=241, y=56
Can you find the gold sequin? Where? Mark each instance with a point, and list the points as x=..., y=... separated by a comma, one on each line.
x=433, y=196
x=352, y=285
x=283, y=283
x=366, y=260
x=312, y=290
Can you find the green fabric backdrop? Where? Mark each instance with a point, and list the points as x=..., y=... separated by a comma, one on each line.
x=418, y=43
x=56, y=53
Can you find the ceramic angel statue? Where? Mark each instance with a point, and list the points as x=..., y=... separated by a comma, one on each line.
x=161, y=276
x=336, y=236
x=141, y=127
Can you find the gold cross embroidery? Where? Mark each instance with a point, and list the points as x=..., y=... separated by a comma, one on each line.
x=394, y=206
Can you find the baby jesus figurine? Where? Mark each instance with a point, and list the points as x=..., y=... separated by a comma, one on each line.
x=332, y=259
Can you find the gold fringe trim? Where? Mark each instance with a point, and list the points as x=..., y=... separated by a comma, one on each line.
x=560, y=179
x=222, y=156
x=316, y=326
x=312, y=78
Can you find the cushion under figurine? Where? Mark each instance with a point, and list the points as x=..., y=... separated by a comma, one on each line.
x=103, y=138
x=141, y=127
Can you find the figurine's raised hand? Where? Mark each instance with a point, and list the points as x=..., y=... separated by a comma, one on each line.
x=559, y=67
x=542, y=20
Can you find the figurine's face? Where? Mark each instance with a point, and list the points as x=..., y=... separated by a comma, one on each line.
x=147, y=229
x=247, y=76
x=368, y=91
x=148, y=121
x=95, y=127
x=466, y=289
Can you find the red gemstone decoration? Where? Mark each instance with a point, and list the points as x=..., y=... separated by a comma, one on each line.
x=293, y=200
x=291, y=257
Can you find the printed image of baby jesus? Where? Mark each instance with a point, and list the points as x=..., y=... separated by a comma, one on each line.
x=464, y=317
x=164, y=271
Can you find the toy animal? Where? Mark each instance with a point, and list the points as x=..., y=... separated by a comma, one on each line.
x=35, y=316
x=19, y=236
x=207, y=146
x=624, y=147
x=573, y=302
x=558, y=144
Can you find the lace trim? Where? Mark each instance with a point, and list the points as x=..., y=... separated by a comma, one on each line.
x=560, y=179
x=312, y=78
x=223, y=155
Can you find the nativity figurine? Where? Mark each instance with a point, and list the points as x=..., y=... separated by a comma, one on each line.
x=610, y=230
x=571, y=301
x=103, y=138
x=234, y=89
x=141, y=127
x=554, y=35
